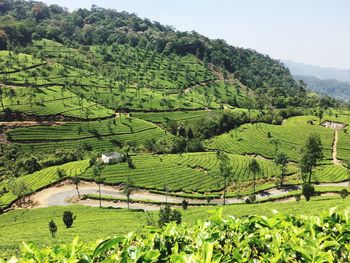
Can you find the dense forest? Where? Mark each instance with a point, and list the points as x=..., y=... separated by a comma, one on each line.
x=21, y=22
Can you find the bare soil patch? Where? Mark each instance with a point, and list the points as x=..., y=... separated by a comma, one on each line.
x=12, y=124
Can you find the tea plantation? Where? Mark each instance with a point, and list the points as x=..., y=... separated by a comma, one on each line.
x=94, y=223
x=259, y=139
x=102, y=110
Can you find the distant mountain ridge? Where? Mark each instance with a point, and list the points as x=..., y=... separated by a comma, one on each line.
x=318, y=72
x=331, y=87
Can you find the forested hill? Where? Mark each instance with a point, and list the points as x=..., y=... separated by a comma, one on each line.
x=334, y=88
x=21, y=22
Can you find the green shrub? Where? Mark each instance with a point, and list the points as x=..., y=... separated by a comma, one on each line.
x=344, y=193
x=250, y=199
x=308, y=190
x=52, y=228
x=68, y=218
x=167, y=215
x=184, y=204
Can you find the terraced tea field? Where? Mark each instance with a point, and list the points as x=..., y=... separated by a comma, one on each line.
x=343, y=147
x=190, y=172
x=330, y=173
x=159, y=117
x=11, y=62
x=141, y=113
x=257, y=139
x=132, y=63
x=42, y=178
x=100, y=135
x=141, y=99
x=188, y=116
x=153, y=69
x=52, y=101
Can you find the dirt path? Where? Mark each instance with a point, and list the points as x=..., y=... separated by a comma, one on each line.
x=258, y=157
x=11, y=124
x=60, y=195
x=335, y=160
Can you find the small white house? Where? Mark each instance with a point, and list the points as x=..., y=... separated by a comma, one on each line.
x=112, y=157
x=333, y=125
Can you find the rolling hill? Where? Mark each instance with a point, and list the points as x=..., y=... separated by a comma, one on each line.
x=196, y=121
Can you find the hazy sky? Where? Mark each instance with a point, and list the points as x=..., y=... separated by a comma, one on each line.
x=310, y=31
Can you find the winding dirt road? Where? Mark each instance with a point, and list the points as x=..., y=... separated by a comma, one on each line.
x=335, y=160
x=62, y=195
x=65, y=194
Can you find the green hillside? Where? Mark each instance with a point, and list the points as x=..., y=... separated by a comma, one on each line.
x=258, y=139
x=145, y=56
x=109, y=111
x=290, y=223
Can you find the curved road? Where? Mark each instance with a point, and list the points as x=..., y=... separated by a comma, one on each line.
x=66, y=194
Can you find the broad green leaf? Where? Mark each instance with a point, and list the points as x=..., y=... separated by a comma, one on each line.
x=106, y=245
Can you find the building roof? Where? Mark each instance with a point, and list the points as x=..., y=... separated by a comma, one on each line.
x=112, y=155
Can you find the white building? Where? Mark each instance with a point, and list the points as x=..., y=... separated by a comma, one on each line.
x=333, y=125
x=112, y=157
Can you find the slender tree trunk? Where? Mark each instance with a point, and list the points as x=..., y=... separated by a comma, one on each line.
x=225, y=185
x=224, y=196
x=254, y=186
x=99, y=190
x=282, y=176
x=310, y=173
x=76, y=187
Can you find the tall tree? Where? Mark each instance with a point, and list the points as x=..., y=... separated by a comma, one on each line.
x=167, y=215
x=97, y=170
x=311, y=154
x=254, y=168
x=128, y=189
x=20, y=188
x=320, y=115
x=166, y=190
x=52, y=228
x=76, y=182
x=281, y=160
x=225, y=171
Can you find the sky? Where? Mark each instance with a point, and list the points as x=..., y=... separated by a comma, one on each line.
x=315, y=32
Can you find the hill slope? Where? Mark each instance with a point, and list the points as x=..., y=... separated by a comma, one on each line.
x=22, y=22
